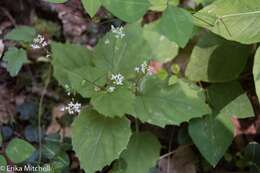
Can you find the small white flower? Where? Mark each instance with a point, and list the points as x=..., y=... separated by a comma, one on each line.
x=142, y=68
x=137, y=69
x=117, y=79
x=107, y=41
x=111, y=89
x=39, y=42
x=118, y=32
x=72, y=107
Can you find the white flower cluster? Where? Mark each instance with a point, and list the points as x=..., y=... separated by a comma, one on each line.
x=117, y=79
x=118, y=31
x=39, y=42
x=72, y=107
x=144, y=68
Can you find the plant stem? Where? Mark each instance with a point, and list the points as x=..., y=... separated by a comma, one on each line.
x=40, y=111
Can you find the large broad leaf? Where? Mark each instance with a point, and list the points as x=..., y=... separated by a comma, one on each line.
x=160, y=104
x=22, y=33
x=19, y=150
x=161, y=5
x=86, y=79
x=91, y=6
x=122, y=55
x=217, y=60
x=233, y=19
x=127, y=10
x=176, y=24
x=97, y=140
x=68, y=58
x=117, y=103
x=15, y=58
x=256, y=72
x=142, y=153
x=162, y=49
x=213, y=134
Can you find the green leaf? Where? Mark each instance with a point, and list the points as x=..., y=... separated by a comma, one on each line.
x=214, y=133
x=232, y=96
x=127, y=10
x=160, y=104
x=176, y=24
x=57, y=1
x=85, y=80
x=120, y=55
x=21, y=33
x=98, y=140
x=256, y=72
x=60, y=162
x=117, y=103
x=91, y=6
x=161, y=48
x=68, y=58
x=234, y=19
x=3, y=164
x=213, y=52
x=161, y=5
x=19, y=150
x=15, y=58
x=142, y=153
x=222, y=93
x=173, y=80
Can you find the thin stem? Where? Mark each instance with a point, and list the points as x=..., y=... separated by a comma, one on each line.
x=40, y=111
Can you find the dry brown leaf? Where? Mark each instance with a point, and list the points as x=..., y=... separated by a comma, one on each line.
x=55, y=127
x=182, y=161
